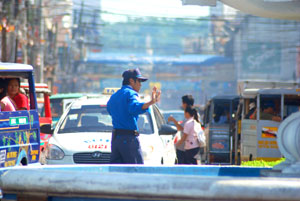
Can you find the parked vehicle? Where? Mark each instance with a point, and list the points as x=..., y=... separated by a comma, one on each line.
x=177, y=114
x=59, y=103
x=19, y=130
x=83, y=135
x=258, y=132
x=219, y=128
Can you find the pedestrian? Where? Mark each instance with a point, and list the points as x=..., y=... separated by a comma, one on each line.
x=7, y=103
x=191, y=127
x=187, y=101
x=124, y=107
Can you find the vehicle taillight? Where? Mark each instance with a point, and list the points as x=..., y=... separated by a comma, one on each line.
x=175, y=139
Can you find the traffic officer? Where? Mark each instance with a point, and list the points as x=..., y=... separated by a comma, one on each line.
x=124, y=107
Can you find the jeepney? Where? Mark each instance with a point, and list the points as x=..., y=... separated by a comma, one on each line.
x=219, y=124
x=19, y=130
x=258, y=136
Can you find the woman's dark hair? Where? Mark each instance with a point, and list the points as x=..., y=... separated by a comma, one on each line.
x=18, y=79
x=193, y=112
x=188, y=99
x=3, y=87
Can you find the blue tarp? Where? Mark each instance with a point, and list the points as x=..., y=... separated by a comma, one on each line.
x=197, y=60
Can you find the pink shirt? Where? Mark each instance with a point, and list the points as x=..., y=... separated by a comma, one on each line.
x=191, y=127
x=8, y=104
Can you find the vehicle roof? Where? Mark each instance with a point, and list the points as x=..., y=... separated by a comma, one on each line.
x=225, y=97
x=10, y=67
x=254, y=92
x=90, y=101
x=172, y=111
x=66, y=95
x=39, y=87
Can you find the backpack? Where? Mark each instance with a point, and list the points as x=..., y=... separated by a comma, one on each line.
x=200, y=135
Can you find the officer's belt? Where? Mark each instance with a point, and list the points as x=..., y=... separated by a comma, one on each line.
x=125, y=132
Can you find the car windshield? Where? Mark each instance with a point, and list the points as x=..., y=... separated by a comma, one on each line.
x=179, y=116
x=95, y=118
x=91, y=118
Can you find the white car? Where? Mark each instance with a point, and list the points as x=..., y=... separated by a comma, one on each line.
x=83, y=135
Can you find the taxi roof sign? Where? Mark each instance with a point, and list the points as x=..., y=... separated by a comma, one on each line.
x=110, y=91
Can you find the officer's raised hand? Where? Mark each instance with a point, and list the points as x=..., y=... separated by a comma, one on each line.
x=155, y=97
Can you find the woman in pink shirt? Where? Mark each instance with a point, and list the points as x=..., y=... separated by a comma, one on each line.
x=191, y=128
x=14, y=99
x=13, y=91
x=6, y=103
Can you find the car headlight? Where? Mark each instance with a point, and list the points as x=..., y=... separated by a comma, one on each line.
x=53, y=152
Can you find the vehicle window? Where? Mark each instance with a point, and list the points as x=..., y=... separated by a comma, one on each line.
x=87, y=119
x=206, y=114
x=179, y=116
x=41, y=109
x=221, y=112
x=145, y=124
x=250, y=108
x=291, y=105
x=56, y=107
x=158, y=116
x=270, y=108
x=14, y=99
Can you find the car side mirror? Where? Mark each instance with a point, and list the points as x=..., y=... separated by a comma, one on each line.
x=167, y=129
x=46, y=128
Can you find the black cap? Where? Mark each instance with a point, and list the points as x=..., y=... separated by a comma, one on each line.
x=135, y=74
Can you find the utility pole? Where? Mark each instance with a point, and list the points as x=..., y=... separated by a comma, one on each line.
x=42, y=42
x=3, y=41
x=16, y=13
x=3, y=31
x=24, y=46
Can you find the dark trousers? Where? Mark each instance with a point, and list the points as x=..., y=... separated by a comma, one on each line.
x=125, y=149
x=180, y=156
x=189, y=156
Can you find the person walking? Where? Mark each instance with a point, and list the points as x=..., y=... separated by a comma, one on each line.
x=191, y=127
x=124, y=107
x=187, y=101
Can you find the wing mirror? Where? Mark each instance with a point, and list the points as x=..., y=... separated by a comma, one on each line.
x=47, y=129
x=167, y=129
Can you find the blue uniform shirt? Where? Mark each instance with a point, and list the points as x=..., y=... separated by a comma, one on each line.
x=124, y=108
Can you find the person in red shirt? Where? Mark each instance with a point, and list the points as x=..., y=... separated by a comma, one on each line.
x=13, y=91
